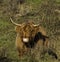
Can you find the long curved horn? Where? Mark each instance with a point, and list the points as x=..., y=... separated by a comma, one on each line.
x=14, y=22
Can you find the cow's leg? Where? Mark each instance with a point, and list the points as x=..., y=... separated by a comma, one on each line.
x=45, y=48
x=20, y=52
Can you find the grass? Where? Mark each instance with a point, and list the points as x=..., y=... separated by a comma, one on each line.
x=8, y=35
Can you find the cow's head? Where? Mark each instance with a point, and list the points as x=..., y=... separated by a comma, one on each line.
x=27, y=30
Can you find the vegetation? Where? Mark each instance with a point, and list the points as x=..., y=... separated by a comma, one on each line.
x=39, y=11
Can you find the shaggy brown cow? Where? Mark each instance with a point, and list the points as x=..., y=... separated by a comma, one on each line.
x=29, y=36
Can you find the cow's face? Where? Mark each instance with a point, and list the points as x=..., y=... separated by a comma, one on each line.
x=27, y=32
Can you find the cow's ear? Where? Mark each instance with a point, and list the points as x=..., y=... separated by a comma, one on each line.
x=17, y=28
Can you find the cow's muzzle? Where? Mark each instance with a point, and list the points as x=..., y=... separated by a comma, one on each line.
x=25, y=40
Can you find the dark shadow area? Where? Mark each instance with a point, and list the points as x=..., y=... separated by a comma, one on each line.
x=39, y=36
x=51, y=52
